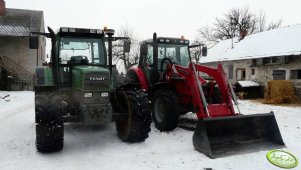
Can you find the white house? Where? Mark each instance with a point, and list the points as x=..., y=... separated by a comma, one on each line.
x=269, y=55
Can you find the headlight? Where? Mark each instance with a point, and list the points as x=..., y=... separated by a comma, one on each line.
x=88, y=95
x=105, y=94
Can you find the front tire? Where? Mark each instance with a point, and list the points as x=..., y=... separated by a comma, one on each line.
x=133, y=121
x=165, y=110
x=49, y=122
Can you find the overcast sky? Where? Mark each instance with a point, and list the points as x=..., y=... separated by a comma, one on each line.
x=166, y=17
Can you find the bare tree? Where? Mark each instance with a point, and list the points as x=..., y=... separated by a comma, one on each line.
x=196, y=51
x=206, y=35
x=274, y=24
x=230, y=25
x=261, y=22
x=131, y=58
x=236, y=23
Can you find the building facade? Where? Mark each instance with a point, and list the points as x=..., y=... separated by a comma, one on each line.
x=270, y=55
x=16, y=59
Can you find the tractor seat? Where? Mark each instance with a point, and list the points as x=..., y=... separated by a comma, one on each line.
x=78, y=60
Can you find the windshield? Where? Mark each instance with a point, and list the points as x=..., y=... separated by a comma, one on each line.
x=81, y=50
x=178, y=54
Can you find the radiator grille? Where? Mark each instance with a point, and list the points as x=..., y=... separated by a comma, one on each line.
x=96, y=81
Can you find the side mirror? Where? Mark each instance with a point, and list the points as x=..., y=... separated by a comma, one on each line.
x=204, y=51
x=33, y=42
x=126, y=46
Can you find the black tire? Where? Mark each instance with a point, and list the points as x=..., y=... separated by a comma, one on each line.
x=165, y=110
x=49, y=109
x=131, y=77
x=133, y=124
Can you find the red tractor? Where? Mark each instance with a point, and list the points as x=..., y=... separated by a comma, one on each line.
x=176, y=85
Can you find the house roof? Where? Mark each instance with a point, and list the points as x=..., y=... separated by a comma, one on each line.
x=283, y=41
x=19, y=22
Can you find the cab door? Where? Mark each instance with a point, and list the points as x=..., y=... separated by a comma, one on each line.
x=147, y=63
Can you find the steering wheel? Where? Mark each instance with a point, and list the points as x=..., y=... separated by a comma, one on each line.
x=163, y=61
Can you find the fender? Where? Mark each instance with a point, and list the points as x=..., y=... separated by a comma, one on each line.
x=141, y=77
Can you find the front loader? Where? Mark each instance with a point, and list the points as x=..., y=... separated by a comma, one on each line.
x=176, y=85
x=79, y=86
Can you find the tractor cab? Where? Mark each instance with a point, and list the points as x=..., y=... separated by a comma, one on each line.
x=169, y=50
x=78, y=58
x=79, y=50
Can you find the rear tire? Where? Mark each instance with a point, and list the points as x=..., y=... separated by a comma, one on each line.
x=131, y=77
x=134, y=123
x=49, y=110
x=165, y=110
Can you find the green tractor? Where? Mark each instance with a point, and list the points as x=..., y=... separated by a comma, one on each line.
x=80, y=85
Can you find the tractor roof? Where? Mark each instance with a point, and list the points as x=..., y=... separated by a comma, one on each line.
x=168, y=40
x=80, y=31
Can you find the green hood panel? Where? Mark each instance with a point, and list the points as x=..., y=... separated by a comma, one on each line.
x=84, y=69
x=90, y=78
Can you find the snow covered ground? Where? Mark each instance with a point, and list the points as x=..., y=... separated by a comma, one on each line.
x=99, y=147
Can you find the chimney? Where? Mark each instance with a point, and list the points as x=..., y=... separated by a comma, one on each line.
x=2, y=7
x=242, y=34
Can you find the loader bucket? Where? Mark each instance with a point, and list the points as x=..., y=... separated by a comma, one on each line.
x=230, y=135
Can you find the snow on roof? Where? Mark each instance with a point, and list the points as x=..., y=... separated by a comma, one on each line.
x=248, y=83
x=277, y=42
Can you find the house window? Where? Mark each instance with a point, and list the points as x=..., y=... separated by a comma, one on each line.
x=254, y=62
x=278, y=74
x=253, y=71
x=275, y=59
x=266, y=61
x=295, y=74
x=230, y=71
x=240, y=74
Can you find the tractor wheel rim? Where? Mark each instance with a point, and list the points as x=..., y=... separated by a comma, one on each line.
x=159, y=110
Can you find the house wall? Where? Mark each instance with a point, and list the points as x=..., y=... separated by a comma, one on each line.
x=262, y=73
x=17, y=49
x=265, y=73
x=235, y=65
